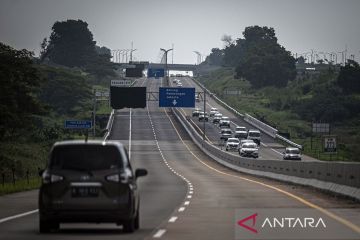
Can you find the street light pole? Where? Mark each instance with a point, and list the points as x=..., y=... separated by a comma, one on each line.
x=166, y=68
x=132, y=50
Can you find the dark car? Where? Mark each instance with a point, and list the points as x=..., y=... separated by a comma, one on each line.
x=89, y=181
x=203, y=117
x=196, y=112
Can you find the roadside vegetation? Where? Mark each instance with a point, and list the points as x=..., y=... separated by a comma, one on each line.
x=287, y=99
x=39, y=94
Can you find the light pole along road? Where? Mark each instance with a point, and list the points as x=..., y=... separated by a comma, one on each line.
x=186, y=194
x=166, y=67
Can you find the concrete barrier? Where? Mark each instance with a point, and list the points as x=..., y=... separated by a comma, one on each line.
x=337, y=177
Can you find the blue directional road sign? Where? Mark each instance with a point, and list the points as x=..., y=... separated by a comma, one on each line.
x=78, y=124
x=177, y=97
x=156, y=72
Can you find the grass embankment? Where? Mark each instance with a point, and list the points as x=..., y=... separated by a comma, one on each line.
x=261, y=104
x=24, y=157
x=23, y=161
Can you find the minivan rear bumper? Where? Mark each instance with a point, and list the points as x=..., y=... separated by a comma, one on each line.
x=88, y=216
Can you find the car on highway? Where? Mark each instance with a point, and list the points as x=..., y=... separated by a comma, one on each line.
x=175, y=80
x=254, y=135
x=217, y=117
x=225, y=133
x=213, y=111
x=179, y=84
x=241, y=132
x=196, y=112
x=292, y=153
x=197, y=98
x=242, y=141
x=89, y=181
x=232, y=144
x=224, y=122
x=249, y=149
x=203, y=117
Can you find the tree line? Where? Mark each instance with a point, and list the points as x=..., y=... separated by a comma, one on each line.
x=263, y=62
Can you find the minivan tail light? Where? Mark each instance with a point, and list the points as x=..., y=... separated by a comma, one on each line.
x=122, y=177
x=56, y=178
x=113, y=178
x=51, y=178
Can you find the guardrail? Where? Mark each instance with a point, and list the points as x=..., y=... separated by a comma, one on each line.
x=109, y=125
x=249, y=119
x=341, y=178
x=260, y=125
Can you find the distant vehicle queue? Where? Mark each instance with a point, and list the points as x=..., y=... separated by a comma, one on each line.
x=245, y=141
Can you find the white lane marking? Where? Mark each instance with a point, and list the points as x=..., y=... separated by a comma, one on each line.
x=186, y=203
x=191, y=192
x=181, y=209
x=173, y=219
x=18, y=216
x=189, y=196
x=276, y=151
x=130, y=136
x=159, y=233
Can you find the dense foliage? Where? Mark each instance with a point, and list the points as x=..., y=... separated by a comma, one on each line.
x=20, y=81
x=71, y=44
x=349, y=77
x=258, y=58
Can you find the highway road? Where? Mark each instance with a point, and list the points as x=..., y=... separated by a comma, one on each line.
x=186, y=194
x=269, y=148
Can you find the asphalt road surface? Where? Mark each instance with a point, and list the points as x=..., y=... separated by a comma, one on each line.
x=186, y=194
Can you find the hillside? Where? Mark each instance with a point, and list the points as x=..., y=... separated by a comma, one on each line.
x=290, y=109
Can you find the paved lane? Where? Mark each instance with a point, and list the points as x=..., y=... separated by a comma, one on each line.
x=185, y=196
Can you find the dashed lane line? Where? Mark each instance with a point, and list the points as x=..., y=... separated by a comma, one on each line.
x=341, y=220
x=190, y=190
x=18, y=216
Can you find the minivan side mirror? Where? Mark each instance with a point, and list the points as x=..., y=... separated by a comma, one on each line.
x=140, y=172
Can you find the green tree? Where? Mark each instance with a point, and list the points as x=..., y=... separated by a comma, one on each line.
x=349, y=77
x=64, y=91
x=215, y=57
x=260, y=59
x=20, y=81
x=71, y=44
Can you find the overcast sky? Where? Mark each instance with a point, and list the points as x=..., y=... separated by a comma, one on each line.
x=191, y=25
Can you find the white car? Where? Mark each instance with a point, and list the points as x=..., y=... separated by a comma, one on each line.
x=254, y=135
x=213, y=111
x=225, y=134
x=217, y=117
x=241, y=133
x=249, y=150
x=292, y=153
x=232, y=144
x=243, y=141
x=224, y=122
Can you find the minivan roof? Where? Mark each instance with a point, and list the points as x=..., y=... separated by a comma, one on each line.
x=89, y=142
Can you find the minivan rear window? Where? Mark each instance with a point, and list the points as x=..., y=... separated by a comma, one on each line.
x=85, y=157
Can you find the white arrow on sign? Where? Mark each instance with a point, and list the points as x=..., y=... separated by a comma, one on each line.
x=174, y=102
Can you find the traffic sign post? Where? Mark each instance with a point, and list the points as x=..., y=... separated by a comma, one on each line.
x=120, y=83
x=153, y=72
x=78, y=124
x=177, y=97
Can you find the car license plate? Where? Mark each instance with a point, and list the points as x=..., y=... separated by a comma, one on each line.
x=84, y=191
